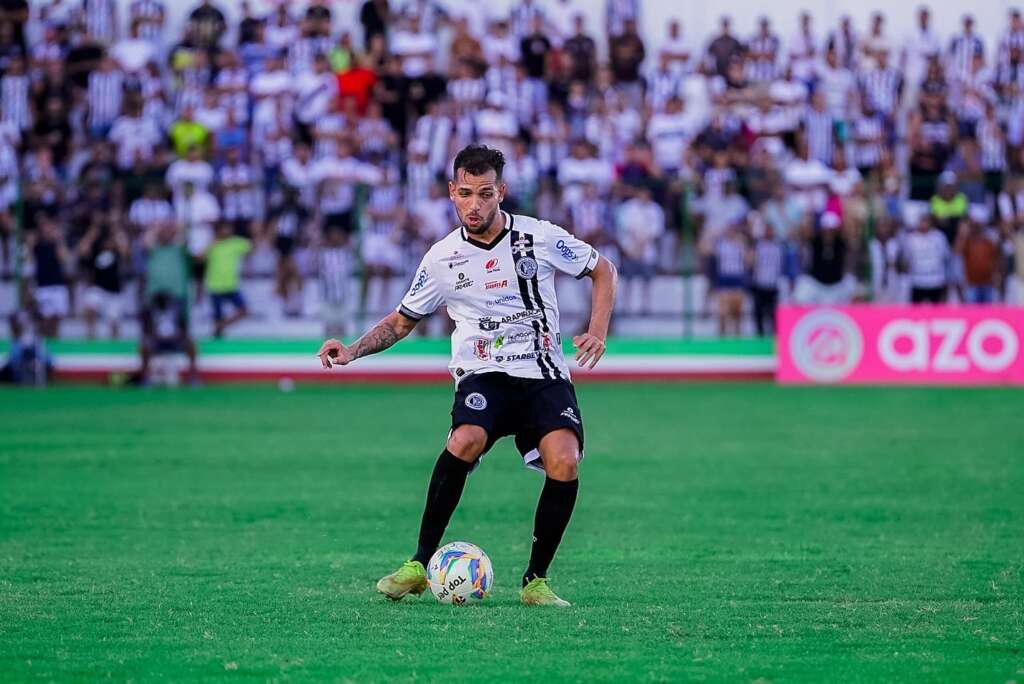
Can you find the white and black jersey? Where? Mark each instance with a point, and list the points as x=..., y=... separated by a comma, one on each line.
x=467, y=91
x=501, y=296
x=662, y=86
x=147, y=213
x=962, y=49
x=99, y=19
x=762, y=68
x=106, y=90
x=819, y=129
x=992, y=140
x=237, y=184
x=152, y=14
x=767, y=271
x=882, y=88
x=14, y=108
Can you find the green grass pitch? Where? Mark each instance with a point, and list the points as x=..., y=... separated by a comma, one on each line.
x=724, y=532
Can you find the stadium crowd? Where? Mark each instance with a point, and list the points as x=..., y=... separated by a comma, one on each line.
x=141, y=171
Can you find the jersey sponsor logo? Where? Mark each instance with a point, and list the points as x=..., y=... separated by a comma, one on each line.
x=502, y=300
x=525, y=356
x=488, y=323
x=421, y=280
x=492, y=266
x=476, y=401
x=499, y=342
x=521, y=246
x=481, y=350
x=571, y=415
x=461, y=262
x=526, y=267
x=495, y=284
x=464, y=282
x=565, y=251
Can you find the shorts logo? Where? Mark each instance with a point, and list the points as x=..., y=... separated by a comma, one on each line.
x=826, y=345
x=488, y=324
x=476, y=401
x=492, y=265
x=495, y=284
x=499, y=342
x=421, y=280
x=565, y=251
x=546, y=342
x=481, y=349
x=571, y=415
x=526, y=267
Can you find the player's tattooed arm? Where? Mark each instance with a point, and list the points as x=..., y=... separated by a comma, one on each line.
x=378, y=338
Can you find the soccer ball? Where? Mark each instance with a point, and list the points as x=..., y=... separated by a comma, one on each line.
x=460, y=572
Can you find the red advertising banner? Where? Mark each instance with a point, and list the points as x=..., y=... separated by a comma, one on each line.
x=943, y=345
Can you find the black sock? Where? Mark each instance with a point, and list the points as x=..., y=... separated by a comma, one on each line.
x=443, y=494
x=554, y=509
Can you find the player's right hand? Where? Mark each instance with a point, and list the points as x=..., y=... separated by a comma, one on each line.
x=333, y=352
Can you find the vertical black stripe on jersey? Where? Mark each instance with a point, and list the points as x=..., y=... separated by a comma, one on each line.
x=524, y=292
x=540, y=304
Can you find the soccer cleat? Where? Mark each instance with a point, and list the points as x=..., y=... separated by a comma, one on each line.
x=411, y=578
x=538, y=593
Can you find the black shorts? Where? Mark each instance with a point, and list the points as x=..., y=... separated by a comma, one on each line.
x=524, y=407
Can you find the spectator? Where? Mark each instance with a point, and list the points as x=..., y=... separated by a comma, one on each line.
x=104, y=250
x=827, y=279
x=949, y=206
x=730, y=255
x=640, y=223
x=165, y=331
x=582, y=52
x=767, y=258
x=626, y=53
x=887, y=283
x=223, y=276
x=725, y=48
x=925, y=255
x=980, y=248
x=51, y=261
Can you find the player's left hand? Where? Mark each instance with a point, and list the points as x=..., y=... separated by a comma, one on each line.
x=589, y=348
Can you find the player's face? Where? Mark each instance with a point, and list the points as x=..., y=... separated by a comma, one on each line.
x=476, y=199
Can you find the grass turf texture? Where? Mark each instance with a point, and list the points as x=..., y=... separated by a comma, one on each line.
x=724, y=532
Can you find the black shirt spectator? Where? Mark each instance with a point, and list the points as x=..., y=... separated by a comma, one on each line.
x=534, y=49
x=724, y=49
x=582, y=52
x=15, y=14
x=626, y=53
x=207, y=25
x=828, y=256
x=374, y=16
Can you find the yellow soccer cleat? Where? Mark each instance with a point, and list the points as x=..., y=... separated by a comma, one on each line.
x=538, y=593
x=411, y=578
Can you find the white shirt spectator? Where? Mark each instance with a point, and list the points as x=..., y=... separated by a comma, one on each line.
x=199, y=173
x=640, y=223
x=197, y=215
x=927, y=256
x=133, y=54
x=134, y=135
x=416, y=50
x=573, y=173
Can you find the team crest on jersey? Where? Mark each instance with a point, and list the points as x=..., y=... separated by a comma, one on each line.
x=481, y=349
x=526, y=267
x=476, y=401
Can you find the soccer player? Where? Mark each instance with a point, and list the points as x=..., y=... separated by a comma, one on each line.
x=495, y=275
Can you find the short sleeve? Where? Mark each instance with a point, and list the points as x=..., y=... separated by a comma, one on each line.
x=568, y=253
x=424, y=295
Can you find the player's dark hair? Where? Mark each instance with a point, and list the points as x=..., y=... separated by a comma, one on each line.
x=478, y=160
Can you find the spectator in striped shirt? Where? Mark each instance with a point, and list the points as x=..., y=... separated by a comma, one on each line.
x=104, y=97
x=766, y=262
x=763, y=53
x=962, y=49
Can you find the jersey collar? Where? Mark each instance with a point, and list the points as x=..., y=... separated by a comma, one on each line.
x=497, y=239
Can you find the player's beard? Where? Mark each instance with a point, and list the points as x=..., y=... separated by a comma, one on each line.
x=485, y=224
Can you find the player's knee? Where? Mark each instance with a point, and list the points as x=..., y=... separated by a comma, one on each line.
x=562, y=465
x=467, y=442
